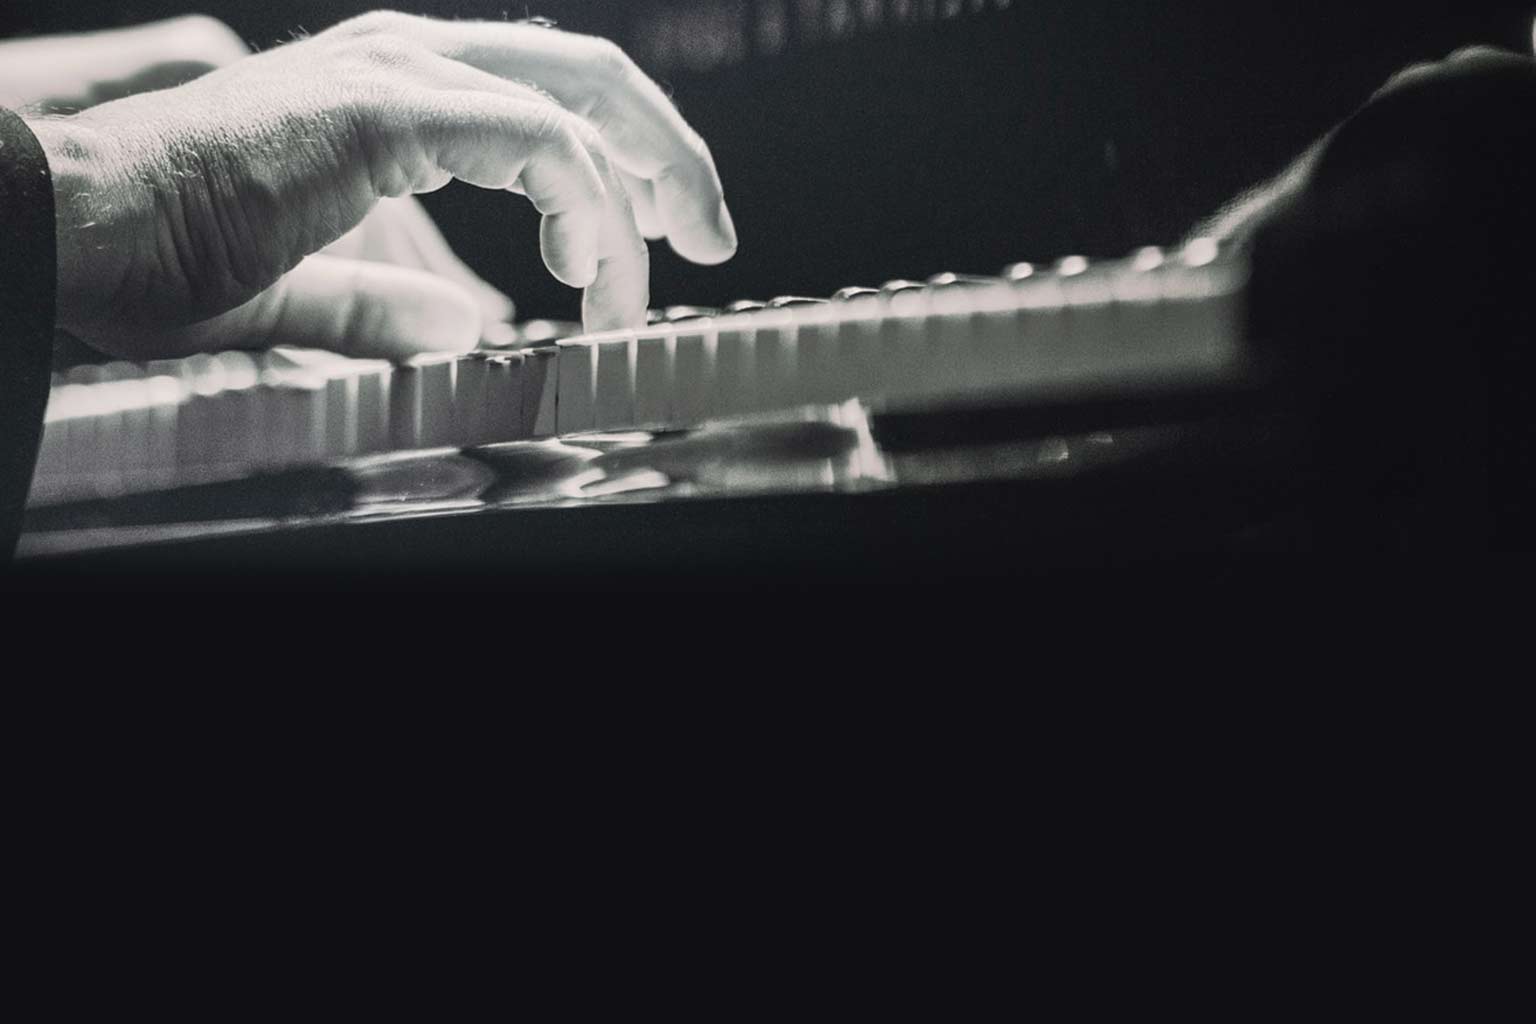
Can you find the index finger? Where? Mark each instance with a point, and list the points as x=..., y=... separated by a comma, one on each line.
x=595, y=79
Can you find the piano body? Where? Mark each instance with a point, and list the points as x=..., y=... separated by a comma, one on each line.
x=1070, y=413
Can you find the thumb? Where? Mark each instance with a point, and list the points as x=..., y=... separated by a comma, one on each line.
x=354, y=307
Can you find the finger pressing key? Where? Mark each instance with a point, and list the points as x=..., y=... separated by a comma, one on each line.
x=589, y=237
x=621, y=292
x=592, y=77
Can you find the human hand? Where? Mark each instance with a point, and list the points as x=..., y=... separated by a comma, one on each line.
x=195, y=218
x=69, y=73
x=1471, y=89
x=66, y=73
x=1390, y=296
x=1417, y=208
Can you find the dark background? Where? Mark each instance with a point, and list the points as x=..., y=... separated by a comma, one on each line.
x=855, y=156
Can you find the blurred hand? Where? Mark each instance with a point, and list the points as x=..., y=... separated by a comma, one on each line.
x=1474, y=91
x=1392, y=273
x=63, y=74
x=66, y=74
x=226, y=212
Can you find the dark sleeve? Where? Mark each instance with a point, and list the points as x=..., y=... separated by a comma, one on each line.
x=27, y=284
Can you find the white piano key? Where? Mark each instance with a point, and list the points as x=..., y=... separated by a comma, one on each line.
x=502, y=418
x=405, y=391
x=654, y=384
x=89, y=457
x=339, y=407
x=193, y=428
x=614, y=399
x=1089, y=314
x=344, y=429
x=952, y=337
x=469, y=399
x=167, y=394
x=1042, y=339
x=1138, y=329
x=576, y=410
x=994, y=332
x=859, y=367
x=421, y=401
x=772, y=372
x=439, y=386
x=541, y=379
x=736, y=368
x=693, y=374
x=242, y=422
x=1224, y=280
x=133, y=401
x=341, y=395
x=375, y=383
x=255, y=416
x=293, y=403
x=1201, y=296
x=952, y=348
x=312, y=426
x=67, y=414
x=904, y=344
x=108, y=436
x=818, y=333
x=53, y=452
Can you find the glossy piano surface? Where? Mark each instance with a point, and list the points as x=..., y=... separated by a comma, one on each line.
x=785, y=498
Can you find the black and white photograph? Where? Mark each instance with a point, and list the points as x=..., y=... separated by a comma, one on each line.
x=919, y=297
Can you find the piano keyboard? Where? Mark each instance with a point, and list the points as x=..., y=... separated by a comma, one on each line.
x=121, y=427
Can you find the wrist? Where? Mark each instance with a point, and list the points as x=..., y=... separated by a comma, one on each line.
x=92, y=206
